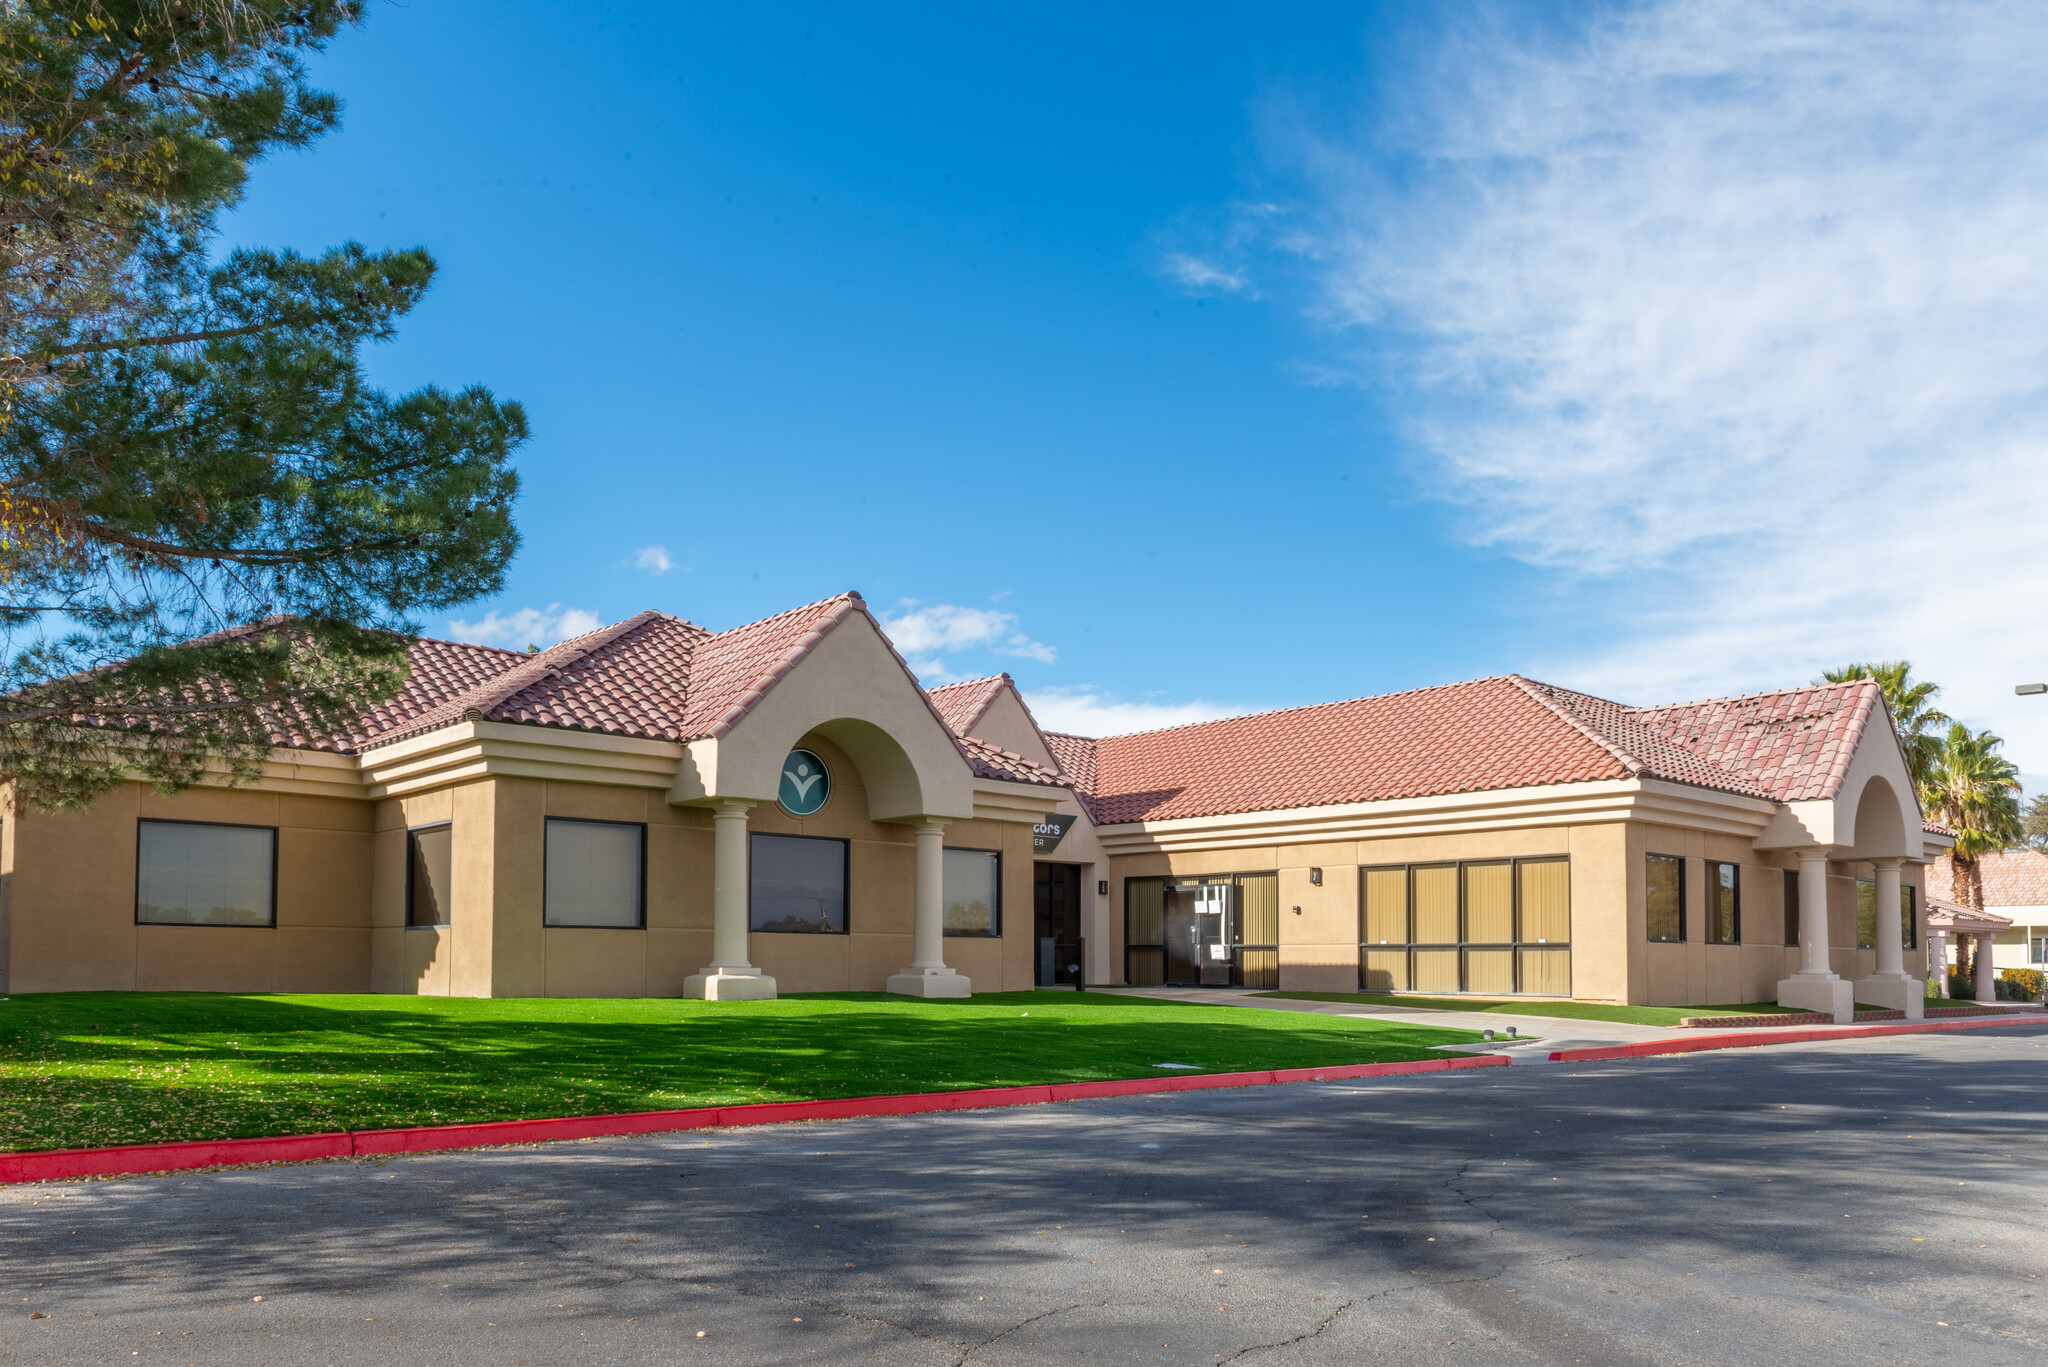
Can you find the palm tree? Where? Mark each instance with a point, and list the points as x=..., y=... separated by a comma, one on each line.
x=1913, y=715
x=1975, y=792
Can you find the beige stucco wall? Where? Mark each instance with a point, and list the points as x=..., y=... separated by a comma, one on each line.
x=71, y=893
x=1612, y=957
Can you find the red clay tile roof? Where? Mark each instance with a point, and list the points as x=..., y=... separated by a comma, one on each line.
x=1794, y=744
x=1076, y=755
x=1506, y=732
x=992, y=761
x=962, y=704
x=2011, y=878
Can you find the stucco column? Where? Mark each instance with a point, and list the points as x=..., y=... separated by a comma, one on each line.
x=928, y=975
x=729, y=977
x=1937, y=960
x=1891, y=986
x=1815, y=987
x=1986, y=975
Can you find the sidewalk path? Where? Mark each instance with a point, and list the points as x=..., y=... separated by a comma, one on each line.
x=1556, y=1032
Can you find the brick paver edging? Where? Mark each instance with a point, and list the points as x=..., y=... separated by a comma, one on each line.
x=1750, y=1039
x=130, y=1159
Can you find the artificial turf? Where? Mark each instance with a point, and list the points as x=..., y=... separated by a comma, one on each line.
x=1584, y=1011
x=81, y=1069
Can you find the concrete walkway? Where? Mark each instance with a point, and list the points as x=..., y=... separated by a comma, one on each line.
x=1554, y=1032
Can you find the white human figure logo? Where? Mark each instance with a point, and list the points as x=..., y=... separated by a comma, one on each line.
x=801, y=779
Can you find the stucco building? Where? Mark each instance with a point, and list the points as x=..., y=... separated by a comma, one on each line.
x=659, y=809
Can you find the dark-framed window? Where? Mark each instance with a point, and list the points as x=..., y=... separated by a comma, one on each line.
x=1724, y=902
x=205, y=873
x=974, y=892
x=1495, y=926
x=1791, y=906
x=796, y=884
x=1664, y=881
x=429, y=874
x=1144, y=931
x=1909, y=916
x=595, y=874
x=1866, y=913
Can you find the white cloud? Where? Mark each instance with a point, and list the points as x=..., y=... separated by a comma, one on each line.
x=1732, y=311
x=1195, y=273
x=654, y=559
x=938, y=629
x=528, y=626
x=1088, y=712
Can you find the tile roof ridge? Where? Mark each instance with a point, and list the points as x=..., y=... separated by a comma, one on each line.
x=839, y=608
x=991, y=686
x=1542, y=693
x=480, y=699
x=1302, y=707
x=1859, y=721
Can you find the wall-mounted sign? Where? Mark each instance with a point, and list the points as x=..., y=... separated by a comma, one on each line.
x=805, y=784
x=1047, y=834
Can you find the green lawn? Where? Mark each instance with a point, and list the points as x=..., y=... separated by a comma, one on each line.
x=91, y=1068
x=1582, y=1011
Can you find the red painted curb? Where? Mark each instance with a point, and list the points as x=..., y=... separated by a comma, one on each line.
x=198, y=1153
x=129, y=1159
x=1750, y=1039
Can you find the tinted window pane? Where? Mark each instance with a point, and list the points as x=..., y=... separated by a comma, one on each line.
x=1866, y=914
x=1436, y=906
x=799, y=885
x=1144, y=911
x=1909, y=918
x=1386, y=908
x=971, y=893
x=593, y=874
x=1666, y=897
x=1791, y=907
x=193, y=875
x=1546, y=902
x=1490, y=906
x=433, y=862
x=1722, y=907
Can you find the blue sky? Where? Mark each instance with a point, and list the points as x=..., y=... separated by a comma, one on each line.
x=1182, y=359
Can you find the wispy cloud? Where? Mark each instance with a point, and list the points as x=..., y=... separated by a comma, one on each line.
x=1091, y=712
x=653, y=559
x=926, y=633
x=527, y=626
x=1731, y=309
x=1195, y=273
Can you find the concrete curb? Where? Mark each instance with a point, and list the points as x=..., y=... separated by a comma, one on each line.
x=131, y=1159
x=1750, y=1039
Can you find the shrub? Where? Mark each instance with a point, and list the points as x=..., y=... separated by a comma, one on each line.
x=2025, y=982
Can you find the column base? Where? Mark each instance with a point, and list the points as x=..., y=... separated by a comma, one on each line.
x=1894, y=992
x=730, y=985
x=930, y=982
x=1830, y=996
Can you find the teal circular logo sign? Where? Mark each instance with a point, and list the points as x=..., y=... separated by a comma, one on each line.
x=805, y=783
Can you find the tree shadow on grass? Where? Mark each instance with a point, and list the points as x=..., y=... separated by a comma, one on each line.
x=107, y=1068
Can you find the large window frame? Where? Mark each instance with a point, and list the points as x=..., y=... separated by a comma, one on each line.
x=1650, y=911
x=995, y=910
x=1517, y=964
x=270, y=924
x=845, y=882
x=412, y=873
x=1791, y=907
x=640, y=911
x=1724, y=902
x=1254, y=964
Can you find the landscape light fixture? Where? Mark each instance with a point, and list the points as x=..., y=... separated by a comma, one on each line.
x=2025, y=690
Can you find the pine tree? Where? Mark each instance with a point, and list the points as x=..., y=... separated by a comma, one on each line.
x=213, y=531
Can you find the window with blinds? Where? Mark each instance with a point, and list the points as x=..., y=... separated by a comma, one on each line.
x=596, y=874
x=198, y=873
x=1497, y=927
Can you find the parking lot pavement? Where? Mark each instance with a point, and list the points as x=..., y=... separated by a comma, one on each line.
x=1870, y=1201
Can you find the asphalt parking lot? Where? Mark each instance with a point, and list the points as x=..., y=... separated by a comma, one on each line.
x=1875, y=1201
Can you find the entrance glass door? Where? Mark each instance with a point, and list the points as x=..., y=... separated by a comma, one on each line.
x=1057, y=947
x=1201, y=924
